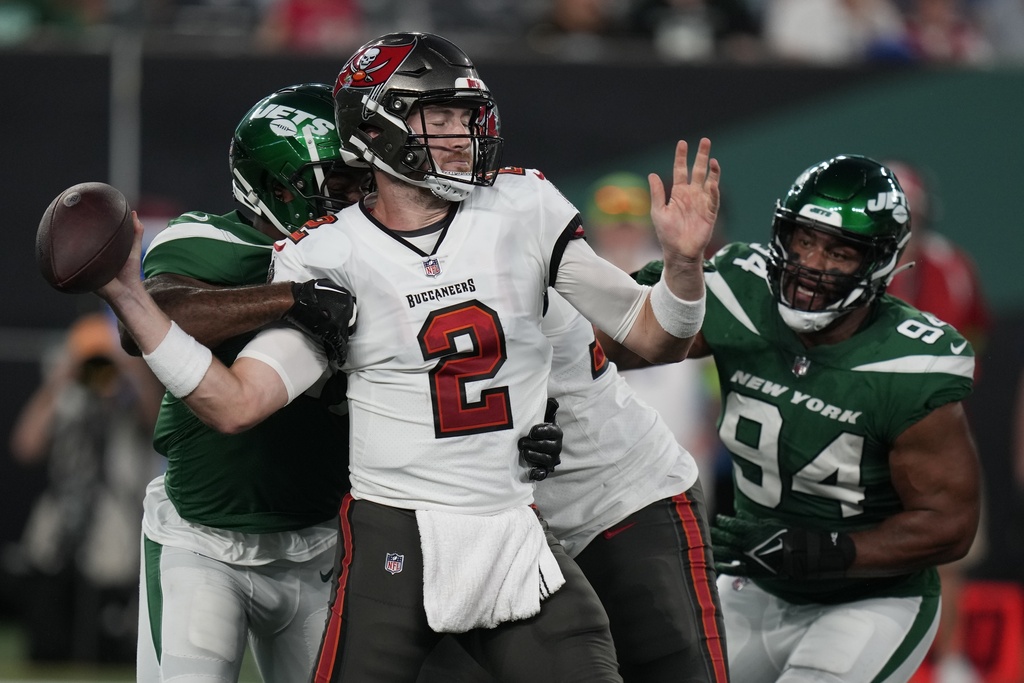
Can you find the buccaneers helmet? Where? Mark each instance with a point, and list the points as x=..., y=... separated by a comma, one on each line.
x=857, y=200
x=288, y=141
x=390, y=79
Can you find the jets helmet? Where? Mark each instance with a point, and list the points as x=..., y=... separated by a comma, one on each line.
x=390, y=79
x=857, y=200
x=288, y=141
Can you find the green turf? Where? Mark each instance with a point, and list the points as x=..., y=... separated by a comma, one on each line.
x=15, y=667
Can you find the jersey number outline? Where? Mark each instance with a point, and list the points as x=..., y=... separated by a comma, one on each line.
x=483, y=353
x=839, y=461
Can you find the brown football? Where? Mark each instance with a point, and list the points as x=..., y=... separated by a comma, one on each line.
x=84, y=237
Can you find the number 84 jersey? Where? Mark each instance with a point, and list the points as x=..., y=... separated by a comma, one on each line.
x=809, y=430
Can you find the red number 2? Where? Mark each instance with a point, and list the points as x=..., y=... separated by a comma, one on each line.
x=480, y=329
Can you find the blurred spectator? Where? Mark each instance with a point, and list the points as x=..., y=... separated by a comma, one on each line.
x=91, y=420
x=691, y=30
x=1002, y=22
x=944, y=282
x=833, y=31
x=617, y=220
x=575, y=30
x=24, y=20
x=311, y=26
x=944, y=279
x=941, y=31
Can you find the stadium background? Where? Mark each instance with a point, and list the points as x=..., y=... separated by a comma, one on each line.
x=573, y=122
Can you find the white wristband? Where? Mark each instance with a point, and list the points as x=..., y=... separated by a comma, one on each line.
x=179, y=361
x=678, y=317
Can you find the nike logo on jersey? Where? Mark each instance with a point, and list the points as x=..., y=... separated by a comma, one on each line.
x=958, y=348
x=612, y=533
x=202, y=218
x=326, y=576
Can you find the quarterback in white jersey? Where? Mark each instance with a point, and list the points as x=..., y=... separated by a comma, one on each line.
x=437, y=535
x=453, y=349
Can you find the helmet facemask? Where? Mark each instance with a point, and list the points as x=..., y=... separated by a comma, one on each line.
x=833, y=294
x=856, y=201
x=288, y=141
x=390, y=81
x=483, y=150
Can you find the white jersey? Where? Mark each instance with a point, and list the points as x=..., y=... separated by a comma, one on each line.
x=448, y=366
x=618, y=455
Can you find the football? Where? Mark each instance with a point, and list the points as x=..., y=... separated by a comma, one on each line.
x=84, y=237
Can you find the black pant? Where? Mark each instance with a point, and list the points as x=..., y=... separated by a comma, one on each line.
x=377, y=629
x=655, y=576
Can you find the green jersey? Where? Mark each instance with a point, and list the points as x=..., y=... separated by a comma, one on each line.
x=286, y=473
x=810, y=430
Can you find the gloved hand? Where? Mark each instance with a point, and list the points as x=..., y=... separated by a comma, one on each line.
x=542, y=447
x=744, y=547
x=325, y=311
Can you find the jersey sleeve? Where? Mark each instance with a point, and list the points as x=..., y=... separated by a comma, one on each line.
x=605, y=294
x=216, y=250
x=318, y=250
x=298, y=360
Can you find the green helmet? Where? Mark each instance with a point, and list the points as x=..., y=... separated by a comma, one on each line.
x=857, y=200
x=288, y=141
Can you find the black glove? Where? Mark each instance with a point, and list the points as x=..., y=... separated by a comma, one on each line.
x=325, y=311
x=542, y=447
x=765, y=550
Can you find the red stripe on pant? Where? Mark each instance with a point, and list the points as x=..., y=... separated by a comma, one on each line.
x=695, y=544
x=331, y=641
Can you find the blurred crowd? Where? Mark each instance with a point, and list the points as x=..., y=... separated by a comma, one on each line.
x=825, y=32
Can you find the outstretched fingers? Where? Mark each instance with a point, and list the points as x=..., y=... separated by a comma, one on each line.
x=700, y=164
x=680, y=167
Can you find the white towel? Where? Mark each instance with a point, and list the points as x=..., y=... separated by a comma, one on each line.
x=481, y=571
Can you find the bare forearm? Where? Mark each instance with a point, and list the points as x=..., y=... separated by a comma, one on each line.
x=911, y=541
x=215, y=314
x=684, y=277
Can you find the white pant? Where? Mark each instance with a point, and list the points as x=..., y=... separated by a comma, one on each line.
x=771, y=640
x=207, y=608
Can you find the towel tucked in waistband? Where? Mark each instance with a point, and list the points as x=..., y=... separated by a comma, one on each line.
x=481, y=571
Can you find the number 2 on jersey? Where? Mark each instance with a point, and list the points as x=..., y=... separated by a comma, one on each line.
x=470, y=343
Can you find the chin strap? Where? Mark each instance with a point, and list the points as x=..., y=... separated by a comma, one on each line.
x=904, y=267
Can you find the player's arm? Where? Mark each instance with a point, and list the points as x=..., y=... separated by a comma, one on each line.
x=657, y=323
x=934, y=468
x=229, y=399
x=214, y=314
x=683, y=222
x=625, y=359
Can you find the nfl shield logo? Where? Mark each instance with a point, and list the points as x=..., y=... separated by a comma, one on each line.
x=431, y=267
x=801, y=365
x=393, y=562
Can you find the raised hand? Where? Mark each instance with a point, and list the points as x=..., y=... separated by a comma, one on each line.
x=684, y=221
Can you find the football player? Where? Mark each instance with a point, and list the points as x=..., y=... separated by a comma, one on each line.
x=855, y=472
x=626, y=504
x=239, y=533
x=450, y=262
